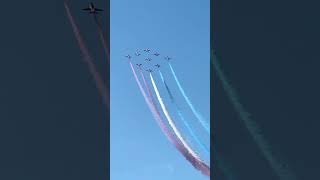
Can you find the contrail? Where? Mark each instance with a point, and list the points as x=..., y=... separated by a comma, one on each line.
x=102, y=38
x=280, y=168
x=195, y=112
x=199, y=165
x=171, y=122
x=87, y=58
x=193, y=134
x=226, y=170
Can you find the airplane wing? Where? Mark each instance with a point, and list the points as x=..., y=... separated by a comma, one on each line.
x=98, y=9
x=86, y=9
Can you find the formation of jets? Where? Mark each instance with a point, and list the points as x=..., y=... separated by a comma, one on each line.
x=92, y=9
x=137, y=53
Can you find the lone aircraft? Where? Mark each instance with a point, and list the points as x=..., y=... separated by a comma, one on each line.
x=91, y=9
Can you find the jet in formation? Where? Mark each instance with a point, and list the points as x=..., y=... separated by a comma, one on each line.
x=156, y=54
x=148, y=59
x=137, y=53
x=146, y=50
x=157, y=65
x=167, y=58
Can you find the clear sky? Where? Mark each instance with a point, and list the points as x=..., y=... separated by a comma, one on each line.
x=181, y=30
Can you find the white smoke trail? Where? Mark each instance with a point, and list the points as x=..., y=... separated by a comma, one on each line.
x=198, y=164
x=171, y=123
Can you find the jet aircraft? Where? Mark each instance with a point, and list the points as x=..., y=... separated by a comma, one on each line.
x=92, y=9
x=146, y=50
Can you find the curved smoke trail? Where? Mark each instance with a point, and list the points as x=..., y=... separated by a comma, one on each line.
x=193, y=134
x=87, y=58
x=171, y=122
x=102, y=38
x=280, y=168
x=195, y=112
x=199, y=165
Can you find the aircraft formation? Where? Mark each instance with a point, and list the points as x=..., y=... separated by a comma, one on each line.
x=148, y=59
x=153, y=62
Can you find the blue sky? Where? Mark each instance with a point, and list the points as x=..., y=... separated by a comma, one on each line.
x=181, y=30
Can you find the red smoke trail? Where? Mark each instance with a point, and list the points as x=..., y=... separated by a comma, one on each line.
x=87, y=58
x=102, y=38
x=205, y=169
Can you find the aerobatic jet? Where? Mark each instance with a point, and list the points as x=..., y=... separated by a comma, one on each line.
x=146, y=50
x=167, y=58
x=137, y=53
x=149, y=70
x=148, y=59
x=128, y=56
x=91, y=9
x=139, y=65
x=157, y=65
x=156, y=54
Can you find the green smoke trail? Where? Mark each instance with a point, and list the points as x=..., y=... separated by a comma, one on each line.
x=222, y=165
x=279, y=167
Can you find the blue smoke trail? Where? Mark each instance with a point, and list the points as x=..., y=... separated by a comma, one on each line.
x=279, y=167
x=182, y=117
x=198, y=115
x=198, y=164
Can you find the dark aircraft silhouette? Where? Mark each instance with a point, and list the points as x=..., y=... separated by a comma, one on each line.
x=91, y=9
x=149, y=70
x=139, y=65
x=156, y=54
x=146, y=50
x=148, y=59
x=157, y=65
x=137, y=53
x=128, y=56
x=167, y=58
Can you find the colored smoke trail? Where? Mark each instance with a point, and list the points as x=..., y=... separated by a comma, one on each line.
x=148, y=90
x=87, y=58
x=195, y=112
x=193, y=134
x=279, y=167
x=199, y=165
x=221, y=163
x=171, y=122
x=102, y=38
